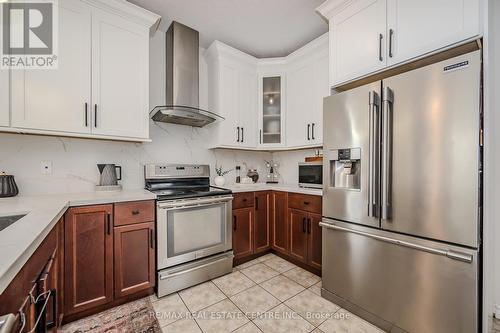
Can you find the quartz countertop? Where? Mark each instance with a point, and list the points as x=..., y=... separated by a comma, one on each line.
x=294, y=188
x=20, y=240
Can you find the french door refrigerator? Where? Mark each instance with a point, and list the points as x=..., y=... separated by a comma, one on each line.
x=402, y=198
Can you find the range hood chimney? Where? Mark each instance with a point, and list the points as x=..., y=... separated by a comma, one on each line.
x=182, y=102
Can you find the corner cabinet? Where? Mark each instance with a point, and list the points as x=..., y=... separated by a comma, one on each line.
x=368, y=36
x=272, y=109
x=232, y=81
x=100, y=88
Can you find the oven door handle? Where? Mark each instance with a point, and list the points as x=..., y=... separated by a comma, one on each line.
x=163, y=277
x=193, y=203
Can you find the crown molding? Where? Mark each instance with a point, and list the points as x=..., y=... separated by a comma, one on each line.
x=331, y=7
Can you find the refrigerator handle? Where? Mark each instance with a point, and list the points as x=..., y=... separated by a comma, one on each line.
x=373, y=174
x=387, y=116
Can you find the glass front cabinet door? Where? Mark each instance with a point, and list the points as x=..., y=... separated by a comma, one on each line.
x=271, y=124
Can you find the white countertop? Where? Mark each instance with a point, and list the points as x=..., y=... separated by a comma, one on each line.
x=20, y=240
x=294, y=188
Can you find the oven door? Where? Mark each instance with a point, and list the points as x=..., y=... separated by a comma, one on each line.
x=193, y=228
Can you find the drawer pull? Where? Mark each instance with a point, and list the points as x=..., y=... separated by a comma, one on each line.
x=135, y=212
x=307, y=203
x=245, y=200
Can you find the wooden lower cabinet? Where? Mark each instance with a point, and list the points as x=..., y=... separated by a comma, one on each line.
x=298, y=234
x=243, y=221
x=314, y=241
x=262, y=223
x=88, y=257
x=279, y=225
x=134, y=255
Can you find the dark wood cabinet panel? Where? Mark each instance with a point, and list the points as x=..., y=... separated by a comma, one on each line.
x=88, y=257
x=314, y=241
x=262, y=227
x=134, y=212
x=243, y=232
x=134, y=258
x=279, y=225
x=243, y=200
x=305, y=202
x=298, y=234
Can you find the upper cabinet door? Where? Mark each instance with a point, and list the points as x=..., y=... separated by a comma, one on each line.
x=55, y=99
x=272, y=103
x=4, y=97
x=321, y=90
x=228, y=88
x=300, y=98
x=248, y=108
x=120, y=76
x=358, y=40
x=419, y=27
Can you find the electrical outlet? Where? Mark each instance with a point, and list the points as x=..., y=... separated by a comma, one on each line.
x=46, y=168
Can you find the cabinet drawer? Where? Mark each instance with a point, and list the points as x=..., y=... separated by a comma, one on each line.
x=243, y=200
x=308, y=203
x=134, y=212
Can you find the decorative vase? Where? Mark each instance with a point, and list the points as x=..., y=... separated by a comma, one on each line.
x=219, y=180
x=8, y=187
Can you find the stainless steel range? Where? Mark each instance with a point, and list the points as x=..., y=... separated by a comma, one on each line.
x=193, y=226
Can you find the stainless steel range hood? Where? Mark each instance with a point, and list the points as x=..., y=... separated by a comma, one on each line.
x=182, y=102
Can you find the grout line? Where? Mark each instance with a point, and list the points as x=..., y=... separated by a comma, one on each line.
x=194, y=319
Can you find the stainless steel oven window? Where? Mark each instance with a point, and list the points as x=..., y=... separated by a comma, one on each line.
x=195, y=228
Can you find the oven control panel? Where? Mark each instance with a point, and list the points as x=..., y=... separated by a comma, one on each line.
x=176, y=170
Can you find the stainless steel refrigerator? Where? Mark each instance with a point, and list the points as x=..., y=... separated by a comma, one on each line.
x=402, y=198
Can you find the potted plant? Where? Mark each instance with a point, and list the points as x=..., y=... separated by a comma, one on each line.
x=219, y=180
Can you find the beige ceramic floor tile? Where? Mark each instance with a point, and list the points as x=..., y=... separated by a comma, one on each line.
x=346, y=322
x=187, y=325
x=254, y=301
x=282, y=320
x=233, y=283
x=259, y=273
x=248, y=264
x=169, y=309
x=266, y=257
x=312, y=307
x=201, y=296
x=282, y=287
x=279, y=264
x=302, y=277
x=316, y=289
x=248, y=328
x=220, y=318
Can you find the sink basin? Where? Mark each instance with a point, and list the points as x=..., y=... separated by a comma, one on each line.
x=5, y=221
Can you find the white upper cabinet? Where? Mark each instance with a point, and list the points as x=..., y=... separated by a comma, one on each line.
x=232, y=84
x=358, y=40
x=307, y=85
x=120, y=72
x=272, y=106
x=367, y=36
x=100, y=88
x=4, y=98
x=419, y=27
x=59, y=99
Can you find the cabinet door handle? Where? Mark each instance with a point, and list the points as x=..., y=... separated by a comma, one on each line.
x=304, y=225
x=391, y=33
x=108, y=223
x=95, y=115
x=312, y=130
x=242, y=134
x=86, y=115
x=151, y=239
x=309, y=226
x=256, y=203
x=380, y=38
x=308, y=130
x=235, y=226
x=238, y=130
x=260, y=136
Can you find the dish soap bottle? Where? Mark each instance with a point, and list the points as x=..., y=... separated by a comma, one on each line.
x=238, y=174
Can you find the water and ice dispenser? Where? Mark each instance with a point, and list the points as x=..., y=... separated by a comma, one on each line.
x=345, y=169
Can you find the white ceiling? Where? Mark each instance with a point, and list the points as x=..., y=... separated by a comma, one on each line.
x=262, y=28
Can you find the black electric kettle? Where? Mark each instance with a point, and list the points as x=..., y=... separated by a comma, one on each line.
x=8, y=187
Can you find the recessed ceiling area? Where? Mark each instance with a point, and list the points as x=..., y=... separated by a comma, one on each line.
x=262, y=28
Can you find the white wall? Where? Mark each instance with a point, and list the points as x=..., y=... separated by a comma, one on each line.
x=74, y=160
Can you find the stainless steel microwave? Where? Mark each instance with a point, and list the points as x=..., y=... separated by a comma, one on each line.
x=311, y=174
